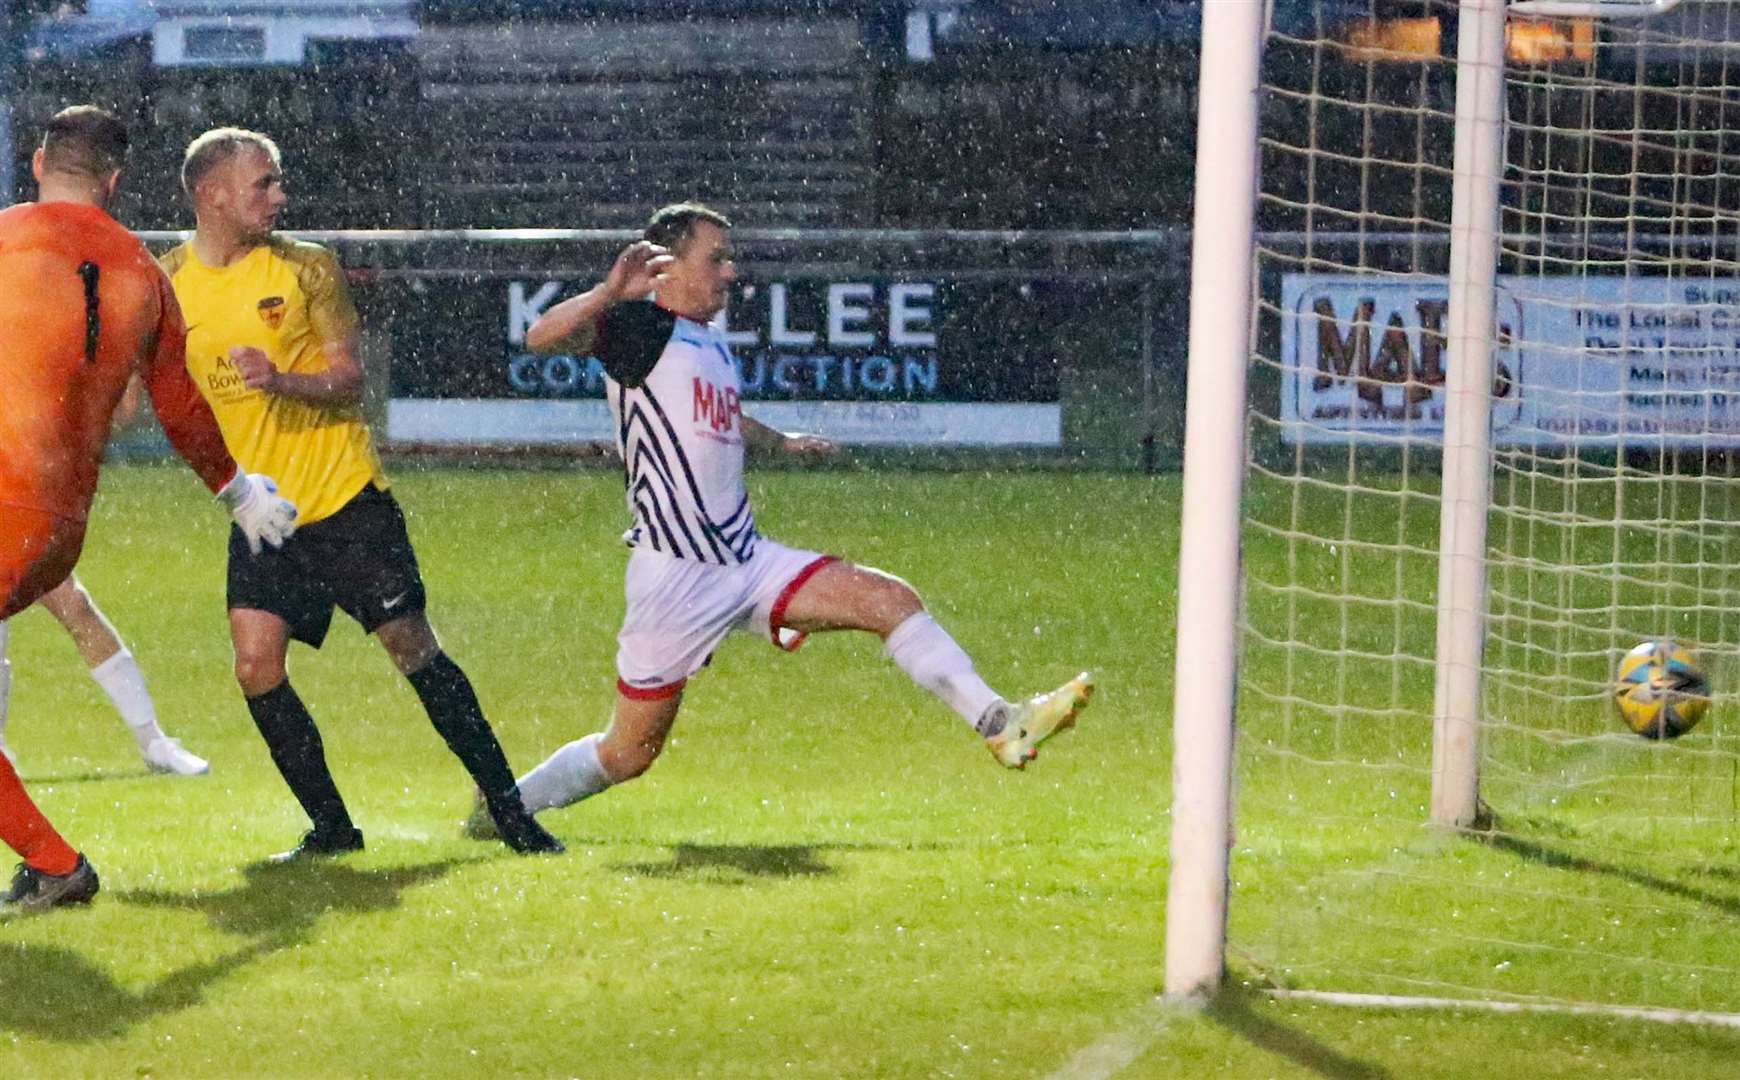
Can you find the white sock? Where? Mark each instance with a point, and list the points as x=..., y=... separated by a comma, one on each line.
x=567, y=776
x=121, y=679
x=927, y=653
x=5, y=676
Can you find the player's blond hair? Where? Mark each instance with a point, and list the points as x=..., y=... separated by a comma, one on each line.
x=217, y=146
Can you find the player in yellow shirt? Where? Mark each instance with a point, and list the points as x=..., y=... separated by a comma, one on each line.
x=272, y=344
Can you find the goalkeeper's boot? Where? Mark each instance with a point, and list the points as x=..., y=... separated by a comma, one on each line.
x=321, y=843
x=1037, y=719
x=32, y=890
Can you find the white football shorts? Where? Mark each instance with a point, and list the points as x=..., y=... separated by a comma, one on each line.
x=680, y=610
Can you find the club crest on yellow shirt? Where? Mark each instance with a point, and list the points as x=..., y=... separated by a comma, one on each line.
x=271, y=311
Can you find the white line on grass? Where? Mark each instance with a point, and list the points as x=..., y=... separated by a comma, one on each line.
x=1116, y=1051
x=1112, y=1053
x=1570, y=1008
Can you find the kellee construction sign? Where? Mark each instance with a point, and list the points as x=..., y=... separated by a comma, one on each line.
x=862, y=359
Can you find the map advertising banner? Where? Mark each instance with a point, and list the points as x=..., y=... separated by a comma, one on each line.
x=859, y=360
x=1602, y=361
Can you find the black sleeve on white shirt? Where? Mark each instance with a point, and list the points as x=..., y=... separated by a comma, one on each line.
x=631, y=337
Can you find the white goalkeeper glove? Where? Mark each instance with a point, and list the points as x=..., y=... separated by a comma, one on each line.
x=263, y=515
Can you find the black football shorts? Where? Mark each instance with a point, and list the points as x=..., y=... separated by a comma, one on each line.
x=359, y=560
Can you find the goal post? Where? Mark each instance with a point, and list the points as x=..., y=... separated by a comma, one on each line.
x=1478, y=162
x=1206, y=662
x=1462, y=430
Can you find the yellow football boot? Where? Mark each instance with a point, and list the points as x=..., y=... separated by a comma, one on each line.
x=1038, y=719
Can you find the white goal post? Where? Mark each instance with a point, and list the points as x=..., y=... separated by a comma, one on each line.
x=1462, y=427
x=1206, y=665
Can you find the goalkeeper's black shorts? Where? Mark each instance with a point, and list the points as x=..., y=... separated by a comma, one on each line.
x=359, y=560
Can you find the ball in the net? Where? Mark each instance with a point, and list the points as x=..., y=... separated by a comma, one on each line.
x=1660, y=691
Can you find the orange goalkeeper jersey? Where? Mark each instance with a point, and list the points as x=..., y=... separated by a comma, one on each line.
x=84, y=307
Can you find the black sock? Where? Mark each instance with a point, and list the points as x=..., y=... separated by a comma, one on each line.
x=296, y=749
x=453, y=709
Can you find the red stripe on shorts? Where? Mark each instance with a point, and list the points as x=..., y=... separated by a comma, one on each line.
x=650, y=693
x=776, y=617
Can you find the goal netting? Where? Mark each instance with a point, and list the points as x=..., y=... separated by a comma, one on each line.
x=1602, y=867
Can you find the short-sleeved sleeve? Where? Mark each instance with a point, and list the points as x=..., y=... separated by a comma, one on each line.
x=173, y=260
x=331, y=312
x=631, y=338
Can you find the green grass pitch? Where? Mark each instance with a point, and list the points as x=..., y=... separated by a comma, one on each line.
x=826, y=875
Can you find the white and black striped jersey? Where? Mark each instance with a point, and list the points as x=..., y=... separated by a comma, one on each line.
x=677, y=403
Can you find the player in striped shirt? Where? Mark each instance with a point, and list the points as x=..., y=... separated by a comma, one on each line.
x=698, y=570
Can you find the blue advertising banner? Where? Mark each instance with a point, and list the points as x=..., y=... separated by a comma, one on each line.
x=859, y=359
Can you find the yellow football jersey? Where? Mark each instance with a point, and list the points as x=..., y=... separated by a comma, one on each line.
x=286, y=298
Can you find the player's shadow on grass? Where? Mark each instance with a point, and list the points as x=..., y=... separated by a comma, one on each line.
x=1237, y=1010
x=1534, y=851
x=731, y=864
x=283, y=903
x=90, y=776
x=50, y=992
x=54, y=993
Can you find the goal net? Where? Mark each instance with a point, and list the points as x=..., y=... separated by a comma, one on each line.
x=1598, y=866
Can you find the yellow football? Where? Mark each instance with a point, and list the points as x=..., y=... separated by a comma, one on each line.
x=1660, y=692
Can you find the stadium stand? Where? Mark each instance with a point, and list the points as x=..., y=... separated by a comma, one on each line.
x=826, y=113
x=589, y=123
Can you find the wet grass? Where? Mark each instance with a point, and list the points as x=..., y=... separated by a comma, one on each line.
x=825, y=876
